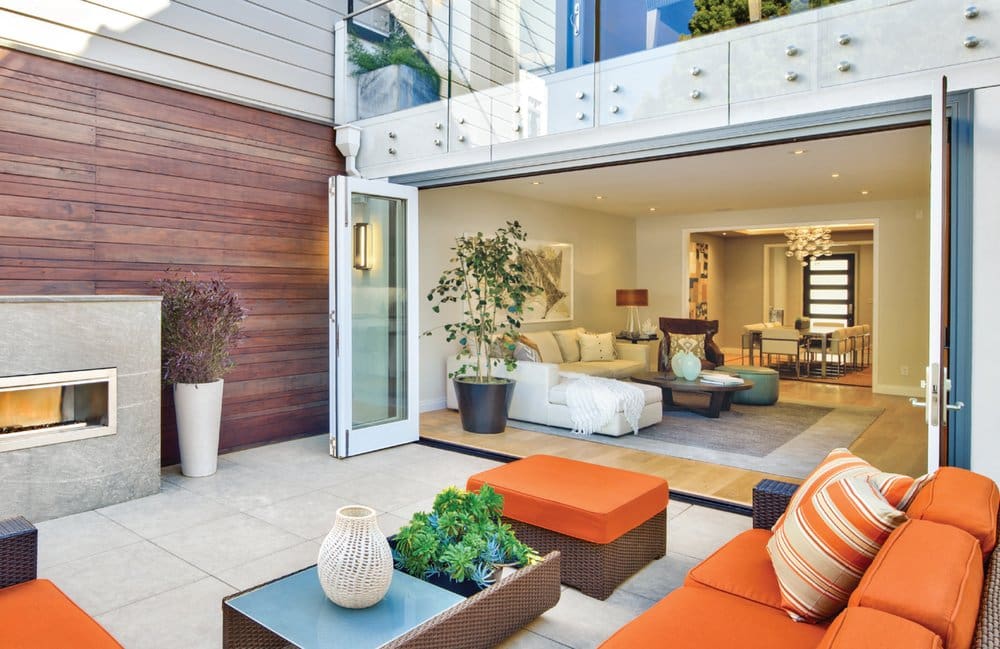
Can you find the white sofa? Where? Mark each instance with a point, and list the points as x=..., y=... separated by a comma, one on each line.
x=540, y=393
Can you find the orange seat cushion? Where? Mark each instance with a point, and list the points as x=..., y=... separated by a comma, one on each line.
x=866, y=628
x=961, y=498
x=585, y=501
x=37, y=615
x=741, y=567
x=702, y=618
x=931, y=574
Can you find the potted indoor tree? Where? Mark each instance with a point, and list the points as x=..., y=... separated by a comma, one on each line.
x=201, y=322
x=489, y=283
x=461, y=543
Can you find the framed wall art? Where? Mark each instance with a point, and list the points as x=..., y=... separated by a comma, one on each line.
x=550, y=266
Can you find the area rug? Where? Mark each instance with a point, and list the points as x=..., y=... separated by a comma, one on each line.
x=788, y=438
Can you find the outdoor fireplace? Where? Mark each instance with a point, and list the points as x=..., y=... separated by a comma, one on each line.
x=40, y=409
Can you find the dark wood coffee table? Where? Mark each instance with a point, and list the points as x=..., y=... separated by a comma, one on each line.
x=720, y=397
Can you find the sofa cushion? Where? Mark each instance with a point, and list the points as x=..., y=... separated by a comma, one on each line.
x=822, y=549
x=597, y=347
x=545, y=343
x=961, y=498
x=569, y=343
x=650, y=393
x=741, y=567
x=928, y=573
x=586, y=501
x=36, y=614
x=694, y=343
x=858, y=627
x=618, y=369
x=703, y=618
x=841, y=463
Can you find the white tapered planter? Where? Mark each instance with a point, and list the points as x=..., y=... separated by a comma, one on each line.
x=199, y=414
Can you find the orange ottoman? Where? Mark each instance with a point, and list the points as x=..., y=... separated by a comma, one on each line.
x=607, y=523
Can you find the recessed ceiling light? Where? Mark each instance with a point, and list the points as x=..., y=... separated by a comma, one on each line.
x=864, y=192
x=536, y=182
x=834, y=175
x=599, y=197
x=724, y=233
x=798, y=151
x=652, y=209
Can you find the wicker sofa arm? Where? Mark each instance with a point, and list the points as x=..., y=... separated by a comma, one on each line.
x=18, y=551
x=988, y=624
x=770, y=498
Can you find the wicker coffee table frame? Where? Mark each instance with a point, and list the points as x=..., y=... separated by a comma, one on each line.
x=484, y=620
x=596, y=569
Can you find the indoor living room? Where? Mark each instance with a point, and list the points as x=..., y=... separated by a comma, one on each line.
x=626, y=231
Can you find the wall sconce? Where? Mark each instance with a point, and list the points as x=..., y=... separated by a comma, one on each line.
x=363, y=246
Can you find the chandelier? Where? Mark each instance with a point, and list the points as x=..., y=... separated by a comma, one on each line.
x=811, y=242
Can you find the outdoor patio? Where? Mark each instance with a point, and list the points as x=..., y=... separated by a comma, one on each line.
x=154, y=571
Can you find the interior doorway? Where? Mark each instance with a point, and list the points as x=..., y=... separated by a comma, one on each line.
x=653, y=208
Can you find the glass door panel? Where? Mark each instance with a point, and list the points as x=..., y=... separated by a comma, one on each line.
x=828, y=286
x=373, y=391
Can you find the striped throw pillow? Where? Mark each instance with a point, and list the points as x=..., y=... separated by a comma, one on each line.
x=826, y=544
x=898, y=489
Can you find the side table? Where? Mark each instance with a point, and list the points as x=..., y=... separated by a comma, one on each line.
x=652, y=344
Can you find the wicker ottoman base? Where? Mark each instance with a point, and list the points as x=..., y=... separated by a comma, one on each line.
x=597, y=569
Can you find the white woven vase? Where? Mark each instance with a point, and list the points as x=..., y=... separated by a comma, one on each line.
x=355, y=562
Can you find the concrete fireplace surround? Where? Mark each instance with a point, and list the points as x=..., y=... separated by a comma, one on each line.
x=57, y=334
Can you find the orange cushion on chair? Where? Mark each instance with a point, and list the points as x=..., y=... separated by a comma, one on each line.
x=961, y=498
x=931, y=574
x=866, y=628
x=586, y=501
x=37, y=615
x=741, y=567
x=702, y=618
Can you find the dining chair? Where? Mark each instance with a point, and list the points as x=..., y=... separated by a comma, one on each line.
x=782, y=342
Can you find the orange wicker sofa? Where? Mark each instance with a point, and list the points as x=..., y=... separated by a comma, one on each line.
x=932, y=585
x=33, y=612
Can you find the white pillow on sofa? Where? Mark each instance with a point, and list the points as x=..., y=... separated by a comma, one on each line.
x=569, y=343
x=597, y=347
x=546, y=344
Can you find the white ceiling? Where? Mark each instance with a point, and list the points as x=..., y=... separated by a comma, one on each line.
x=888, y=165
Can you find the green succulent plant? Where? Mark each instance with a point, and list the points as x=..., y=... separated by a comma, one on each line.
x=462, y=537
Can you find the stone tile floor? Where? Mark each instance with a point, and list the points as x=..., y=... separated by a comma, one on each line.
x=153, y=571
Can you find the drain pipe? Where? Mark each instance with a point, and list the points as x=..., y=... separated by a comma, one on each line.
x=349, y=143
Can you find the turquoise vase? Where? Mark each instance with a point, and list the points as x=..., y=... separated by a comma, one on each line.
x=687, y=365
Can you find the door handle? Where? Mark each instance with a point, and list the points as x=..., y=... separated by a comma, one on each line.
x=575, y=20
x=958, y=405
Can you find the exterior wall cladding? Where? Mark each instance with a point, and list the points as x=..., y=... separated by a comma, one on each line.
x=108, y=182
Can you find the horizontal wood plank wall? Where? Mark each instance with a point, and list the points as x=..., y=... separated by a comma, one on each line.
x=107, y=182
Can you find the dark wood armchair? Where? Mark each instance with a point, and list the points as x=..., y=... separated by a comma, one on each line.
x=713, y=355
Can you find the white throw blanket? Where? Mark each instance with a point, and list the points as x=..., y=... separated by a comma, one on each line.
x=593, y=402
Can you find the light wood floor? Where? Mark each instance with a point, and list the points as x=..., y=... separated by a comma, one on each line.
x=896, y=441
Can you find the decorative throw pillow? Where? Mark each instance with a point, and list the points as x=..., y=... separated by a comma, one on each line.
x=545, y=344
x=597, y=347
x=825, y=546
x=898, y=490
x=569, y=343
x=694, y=343
x=523, y=352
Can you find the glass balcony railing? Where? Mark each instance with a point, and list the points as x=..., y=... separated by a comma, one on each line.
x=503, y=70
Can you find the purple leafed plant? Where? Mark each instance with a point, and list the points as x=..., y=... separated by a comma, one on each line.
x=201, y=323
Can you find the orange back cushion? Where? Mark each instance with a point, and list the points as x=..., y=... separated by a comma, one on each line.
x=967, y=500
x=928, y=573
x=867, y=627
x=825, y=544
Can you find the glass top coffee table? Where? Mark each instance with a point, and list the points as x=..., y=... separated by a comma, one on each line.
x=294, y=611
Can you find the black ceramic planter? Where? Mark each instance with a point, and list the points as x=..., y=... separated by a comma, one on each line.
x=483, y=406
